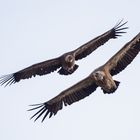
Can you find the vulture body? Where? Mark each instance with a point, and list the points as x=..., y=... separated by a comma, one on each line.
x=100, y=77
x=66, y=62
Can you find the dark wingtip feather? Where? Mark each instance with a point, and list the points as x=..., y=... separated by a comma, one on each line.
x=119, y=29
x=44, y=108
x=120, y=23
x=7, y=80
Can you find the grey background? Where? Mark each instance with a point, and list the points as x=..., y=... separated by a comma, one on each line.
x=32, y=31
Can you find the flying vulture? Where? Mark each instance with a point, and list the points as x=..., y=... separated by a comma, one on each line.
x=100, y=77
x=65, y=62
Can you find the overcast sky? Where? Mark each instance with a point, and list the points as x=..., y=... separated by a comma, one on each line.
x=32, y=31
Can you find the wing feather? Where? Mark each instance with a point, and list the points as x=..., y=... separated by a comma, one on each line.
x=92, y=45
x=124, y=57
x=36, y=69
x=69, y=96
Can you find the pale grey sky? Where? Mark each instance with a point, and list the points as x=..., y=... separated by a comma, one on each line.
x=32, y=31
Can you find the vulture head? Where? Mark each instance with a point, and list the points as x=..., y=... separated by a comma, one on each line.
x=69, y=59
x=98, y=75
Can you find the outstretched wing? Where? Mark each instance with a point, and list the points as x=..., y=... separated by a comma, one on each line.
x=73, y=94
x=124, y=57
x=36, y=69
x=92, y=45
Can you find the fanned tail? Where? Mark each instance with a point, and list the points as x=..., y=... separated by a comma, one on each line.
x=62, y=71
x=113, y=89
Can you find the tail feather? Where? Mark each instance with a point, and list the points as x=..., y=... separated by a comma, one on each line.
x=112, y=90
x=117, y=83
x=62, y=71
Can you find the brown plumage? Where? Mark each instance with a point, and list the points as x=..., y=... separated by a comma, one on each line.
x=65, y=62
x=100, y=77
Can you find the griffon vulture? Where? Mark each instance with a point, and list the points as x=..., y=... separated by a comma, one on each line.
x=100, y=77
x=65, y=62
